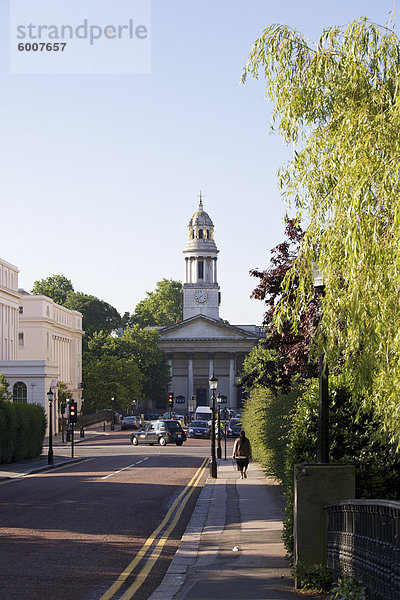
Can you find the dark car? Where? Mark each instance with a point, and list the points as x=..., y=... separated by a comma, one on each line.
x=200, y=429
x=160, y=432
x=234, y=428
x=130, y=423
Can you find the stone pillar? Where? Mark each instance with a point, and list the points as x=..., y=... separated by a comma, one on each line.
x=232, y=400
x=190, y=375
x=169, y=361
x=215, y=270
x=210, y=364
x=315, y=486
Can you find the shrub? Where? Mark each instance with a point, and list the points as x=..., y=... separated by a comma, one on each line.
x=355, y=438
x=313, y=578
x=22, y=429
x=265, y=420
x=348, y=588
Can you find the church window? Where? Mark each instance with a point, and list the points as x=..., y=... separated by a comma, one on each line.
x=208, y=234
x=200, y=234
x=200, y=269
x=19, y=392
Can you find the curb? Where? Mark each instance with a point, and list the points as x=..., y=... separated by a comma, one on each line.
x=187, y=553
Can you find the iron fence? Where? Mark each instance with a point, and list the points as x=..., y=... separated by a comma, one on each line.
x=363, y=540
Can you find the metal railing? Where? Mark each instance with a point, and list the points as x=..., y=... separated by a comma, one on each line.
x=364, y=541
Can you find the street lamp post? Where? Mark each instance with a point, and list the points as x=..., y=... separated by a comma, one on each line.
x=219, y=400
x=50, y=397
x=323, y=395
x=112, y=414
x=82, y=434
x=213, y=382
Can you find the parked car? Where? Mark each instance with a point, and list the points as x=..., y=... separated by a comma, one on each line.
x=131, y=422
x=199, y=429
x=160, y=432
x=234, y=428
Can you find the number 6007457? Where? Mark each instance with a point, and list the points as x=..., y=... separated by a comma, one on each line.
x=42, y=47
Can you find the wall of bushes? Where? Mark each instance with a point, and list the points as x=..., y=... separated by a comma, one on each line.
x=22, y=430
x=283, y=430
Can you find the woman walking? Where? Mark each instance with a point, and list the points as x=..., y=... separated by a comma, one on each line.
x=242, y=453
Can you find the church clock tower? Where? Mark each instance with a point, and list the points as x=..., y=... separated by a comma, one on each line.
x=201, y=291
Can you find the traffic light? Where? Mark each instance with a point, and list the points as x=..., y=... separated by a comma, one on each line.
x=170, y=398
x=73, y=412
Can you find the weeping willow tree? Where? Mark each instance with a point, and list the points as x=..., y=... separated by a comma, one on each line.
x=337, y=103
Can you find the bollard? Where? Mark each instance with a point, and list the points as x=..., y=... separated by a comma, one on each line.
x=104, y=426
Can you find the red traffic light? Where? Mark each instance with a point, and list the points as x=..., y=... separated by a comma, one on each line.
x=73, y=412
x=171, y=398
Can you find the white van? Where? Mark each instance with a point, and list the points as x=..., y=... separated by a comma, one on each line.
x=203, y=413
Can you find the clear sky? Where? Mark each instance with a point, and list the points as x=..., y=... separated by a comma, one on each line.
x=100, y=174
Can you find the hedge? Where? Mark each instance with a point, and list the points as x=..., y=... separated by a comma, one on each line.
x=22, y=430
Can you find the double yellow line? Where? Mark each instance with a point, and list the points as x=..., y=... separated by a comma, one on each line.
x=150, y=562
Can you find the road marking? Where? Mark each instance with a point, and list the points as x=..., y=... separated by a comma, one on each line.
x=124, y=469
x=132, y=565
x=151, y=561
x=44, y=471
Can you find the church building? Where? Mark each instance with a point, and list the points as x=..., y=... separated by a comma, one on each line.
x=203, y=343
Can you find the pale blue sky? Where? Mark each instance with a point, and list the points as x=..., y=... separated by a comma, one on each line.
x=101, y=173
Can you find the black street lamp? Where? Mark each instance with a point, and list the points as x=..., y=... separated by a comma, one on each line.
x=50, y=397
x=213, y=381
x=323, y=395
x=219, y=400
x=82, y=434
x=112, y=414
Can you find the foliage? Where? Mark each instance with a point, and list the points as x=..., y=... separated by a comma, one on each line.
x=22, y=429
x=354, y=439
x=97, y=315
x=64, y=393
x=126, y=367
x=284, y=354
x=348, y=588
x=337, y=102
x=164, y=306
x=265, y=420
x=5, y=395
x=314, y=577
x=56, y=287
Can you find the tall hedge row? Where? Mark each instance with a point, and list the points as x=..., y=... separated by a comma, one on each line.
x=22, y=430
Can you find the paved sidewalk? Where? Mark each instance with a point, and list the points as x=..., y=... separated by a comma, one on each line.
x=232, y=548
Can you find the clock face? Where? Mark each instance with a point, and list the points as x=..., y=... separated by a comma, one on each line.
x=201, y=296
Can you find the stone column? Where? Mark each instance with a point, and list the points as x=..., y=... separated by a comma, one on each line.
x=210, y=364
x=190, y=374
x=232, y=401
x=169, y=361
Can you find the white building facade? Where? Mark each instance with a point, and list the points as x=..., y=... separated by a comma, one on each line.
x=40, y=341
x=203, y=344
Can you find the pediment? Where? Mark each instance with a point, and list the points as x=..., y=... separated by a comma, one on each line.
x=202, y=327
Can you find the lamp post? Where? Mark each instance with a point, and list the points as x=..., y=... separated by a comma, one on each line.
x=50, y=397
x=219, y=400
x=323, y=394
x=82, y=434
x=112, y=414
x=213, y=382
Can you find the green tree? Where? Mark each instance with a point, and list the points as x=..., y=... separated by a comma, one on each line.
x=56, y=287
x=164, y=306
x=337, y=103
x=125, y=367
x=64, y=393
x=5, y=395
x=97, y=315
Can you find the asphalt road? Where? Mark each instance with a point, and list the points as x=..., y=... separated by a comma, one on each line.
x=102, y=529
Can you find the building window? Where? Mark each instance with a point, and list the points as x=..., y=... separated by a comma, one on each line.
x=21, y=340
x=200, y=234
x=19, y=392
x=200, y=269
x=21, y=310
x=208, y=234
x=47, y=311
